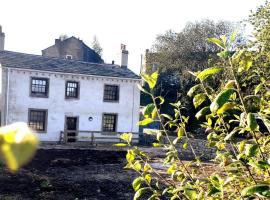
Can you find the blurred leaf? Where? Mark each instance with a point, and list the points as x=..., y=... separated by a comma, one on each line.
x=221, y=99
x=19, y=145
x=180, y=132
x=207, y=72
x=251, y=149
x=139, y=193
x=136, y=184
x=145, y=122
x=147, y=111
x=120, y=145
x=251, y=122
x=217, y=41
x=204, y=111
x=230, y=84
x=225, y=107
x=126, y=137
x=199, y=99
x=151, y=80
x=193, y=89
x=190, y=193
x=251, y=190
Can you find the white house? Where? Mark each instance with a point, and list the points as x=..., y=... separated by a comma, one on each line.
x=56, y=94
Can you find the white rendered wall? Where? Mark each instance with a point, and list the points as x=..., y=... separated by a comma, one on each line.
x=89, y=104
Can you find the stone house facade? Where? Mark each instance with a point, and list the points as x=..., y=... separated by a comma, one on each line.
x=55, y=94
x=72, y=48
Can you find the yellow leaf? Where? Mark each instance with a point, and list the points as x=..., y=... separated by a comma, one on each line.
x=18, y=146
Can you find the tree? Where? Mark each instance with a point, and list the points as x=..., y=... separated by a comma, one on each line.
x=96, y=46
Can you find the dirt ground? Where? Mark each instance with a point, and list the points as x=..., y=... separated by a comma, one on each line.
x=67, y=174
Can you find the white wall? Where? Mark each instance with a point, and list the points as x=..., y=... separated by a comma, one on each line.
x=89, y=104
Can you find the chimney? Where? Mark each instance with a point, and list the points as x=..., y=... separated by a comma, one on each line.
x=2, y=39
x=124, y=56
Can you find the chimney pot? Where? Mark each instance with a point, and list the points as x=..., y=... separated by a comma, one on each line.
x=124, y=56
x=113, y=62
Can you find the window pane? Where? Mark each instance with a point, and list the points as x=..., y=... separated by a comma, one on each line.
x=109, y=122
x=39, y=86
x=37, y=119
x=72, y=89
x=111, y=93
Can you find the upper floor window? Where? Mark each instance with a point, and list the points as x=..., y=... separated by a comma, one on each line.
x=109, y=122
x=37, y=119
x=72, y=89
x=111, y=93
x=39, y=87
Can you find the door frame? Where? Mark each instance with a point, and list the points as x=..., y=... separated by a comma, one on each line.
x=65, y=125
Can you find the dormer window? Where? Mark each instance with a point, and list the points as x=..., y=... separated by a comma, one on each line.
x=69, y=57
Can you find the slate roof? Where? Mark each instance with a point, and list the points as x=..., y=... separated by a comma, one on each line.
x=36, y=62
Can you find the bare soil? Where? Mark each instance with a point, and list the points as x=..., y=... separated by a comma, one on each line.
x=65, y=174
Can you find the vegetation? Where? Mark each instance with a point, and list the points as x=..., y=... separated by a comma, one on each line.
x=18, y=144
x=235, y=112
x=96, y=46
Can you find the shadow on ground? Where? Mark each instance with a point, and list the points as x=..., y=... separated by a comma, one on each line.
x=69, y=174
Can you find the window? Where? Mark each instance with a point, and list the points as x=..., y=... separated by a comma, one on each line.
x=111, y=93
x=109, y=122
x=39, y=87
x=72, y=89
x=37, y=119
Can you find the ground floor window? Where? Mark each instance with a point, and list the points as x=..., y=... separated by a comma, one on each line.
x=109, y=122
x=37, y=119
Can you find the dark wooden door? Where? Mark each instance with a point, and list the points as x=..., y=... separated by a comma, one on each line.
x=71, y=128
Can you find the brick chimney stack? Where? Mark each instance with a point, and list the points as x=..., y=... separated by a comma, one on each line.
x=124, y=56
x=2, y=39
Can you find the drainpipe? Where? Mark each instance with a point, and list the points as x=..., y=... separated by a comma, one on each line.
x=7, y=96
x=132, y=109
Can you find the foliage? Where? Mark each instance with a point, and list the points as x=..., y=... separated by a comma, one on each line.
x=17, y=145
x=96, y=46
x=226, y=112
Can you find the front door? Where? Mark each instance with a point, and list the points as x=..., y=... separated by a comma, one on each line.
x=71, y=128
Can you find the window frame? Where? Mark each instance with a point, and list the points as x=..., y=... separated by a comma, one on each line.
x=78, y=89
x=118, y=93
x=45, y=119
x=46, y=95
x=116, y=123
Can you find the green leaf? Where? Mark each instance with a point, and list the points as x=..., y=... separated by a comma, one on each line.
x=161, y=100
x=145, y=122
x=207, y=72
x=224, y=54
x=151, y=131
x=221, y=99
x=258, y=88
x=136, y=184
x=185, y=145
x=130, y=157
x=230, y=84
x=245, y=65
x=18, y=145
x=251, y=150
x=147, y=111
x=151, y=80
x=167, y=116
x=180, y=132
x=217, y=41
x=126, y=137
x=204, y=111
x=139, y=193
x=233, y=36
x=199, y=99
x=190, y=193
x=193, y=89
x=148, y=178
x=225, y=107
x=251, y=122
x=251, y=190
x=142, y=89
x=120, y=145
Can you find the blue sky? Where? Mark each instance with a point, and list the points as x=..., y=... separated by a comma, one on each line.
x=32, y=25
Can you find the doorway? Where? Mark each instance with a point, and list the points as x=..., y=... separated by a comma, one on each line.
x=71, y=126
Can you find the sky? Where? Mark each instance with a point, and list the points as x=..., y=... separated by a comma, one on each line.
x=33, y=25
